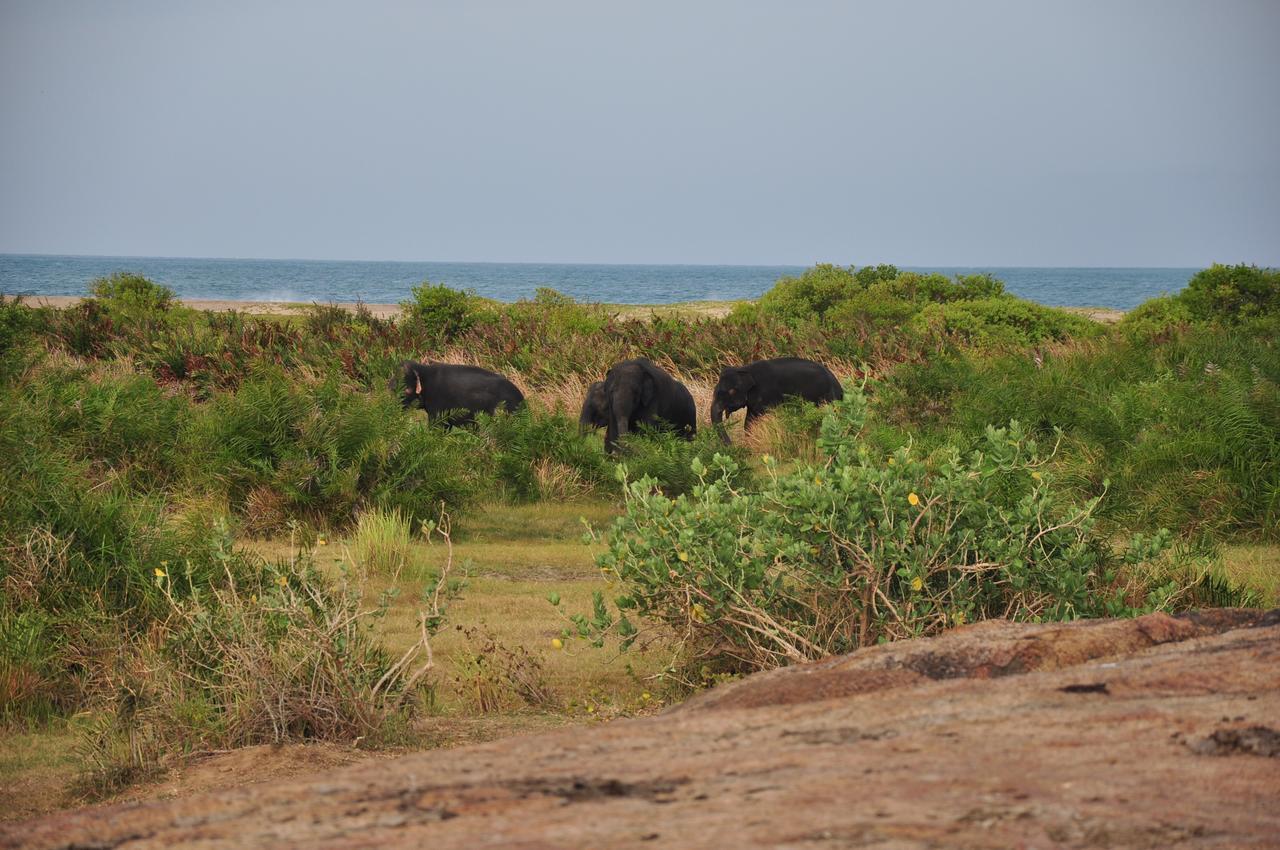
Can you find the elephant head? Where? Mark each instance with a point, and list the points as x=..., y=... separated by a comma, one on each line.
x=595, y=409
x=410, y=383
x=732, y=393
x=630, y=392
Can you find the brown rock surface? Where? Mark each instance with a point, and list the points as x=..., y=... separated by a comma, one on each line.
x=1156, y=732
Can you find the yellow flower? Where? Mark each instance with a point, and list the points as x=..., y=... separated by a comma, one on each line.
x=591, y=709
x=684, y=556
x=892, y=461
x=959, y=618
x=1035, y=475
x=767, y=459
x=160, y=573
x=283, y=581
x=698, y=613
x=253, y=598
x=917, y=584
x=320, y=541
x=557, y=643
x=645, y=696
x=817, y=479
x=913, y=499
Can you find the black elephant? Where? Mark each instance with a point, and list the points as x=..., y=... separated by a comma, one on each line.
x=764, y=384
x=637, y=392
x=455, y=392
x=595, y=408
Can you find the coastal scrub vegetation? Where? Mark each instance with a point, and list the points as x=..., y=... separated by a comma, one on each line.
x=858, y=548
x=993, y=457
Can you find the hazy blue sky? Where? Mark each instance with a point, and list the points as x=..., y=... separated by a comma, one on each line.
x=925, y=133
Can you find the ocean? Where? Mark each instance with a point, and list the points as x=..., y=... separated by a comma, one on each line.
x=324, y=281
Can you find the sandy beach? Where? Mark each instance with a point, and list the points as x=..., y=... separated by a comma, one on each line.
x=382, y=311
x=262, y=308
x=1105, y=315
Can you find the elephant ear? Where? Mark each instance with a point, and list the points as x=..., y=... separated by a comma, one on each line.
x=746, y=380
x=407, y=376
x=648, y=390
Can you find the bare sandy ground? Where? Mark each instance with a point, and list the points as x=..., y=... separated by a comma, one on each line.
x=1156, y=732
x=261, y=308
x=714, y=309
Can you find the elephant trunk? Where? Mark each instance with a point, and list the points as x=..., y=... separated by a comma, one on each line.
x=717, y=421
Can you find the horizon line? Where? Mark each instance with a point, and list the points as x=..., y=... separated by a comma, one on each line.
x=907, y=266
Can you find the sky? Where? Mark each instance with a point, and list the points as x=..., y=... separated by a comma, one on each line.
x=1012, y=133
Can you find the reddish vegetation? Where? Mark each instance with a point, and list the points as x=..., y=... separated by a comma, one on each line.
x=1154, y=732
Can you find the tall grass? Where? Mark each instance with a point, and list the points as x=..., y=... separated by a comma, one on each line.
x=382, y=542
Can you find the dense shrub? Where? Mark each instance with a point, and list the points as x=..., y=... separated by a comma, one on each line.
x=442, y=314
x=77, y=564
x=1186, y=432
x=281, y=450
x=123, y=425
x=131, y=295
x=816, y=291
x=1154, y=319
x=999, y=322
x=17, y=324
x=669, y=461
x=531, y=456
x=1232, y=293
x=863, y=548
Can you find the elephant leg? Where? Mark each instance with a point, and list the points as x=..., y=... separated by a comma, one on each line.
x=752, y=416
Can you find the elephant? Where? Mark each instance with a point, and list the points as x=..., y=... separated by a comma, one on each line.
x=456, y=392
x=595, y=409
x=637, y=392
x=764, y=384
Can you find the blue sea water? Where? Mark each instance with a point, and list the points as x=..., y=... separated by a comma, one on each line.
x=389, y=282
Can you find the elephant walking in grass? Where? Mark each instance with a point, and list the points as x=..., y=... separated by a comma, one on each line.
x=638, y=392
x=456, y=393
x=764, y=384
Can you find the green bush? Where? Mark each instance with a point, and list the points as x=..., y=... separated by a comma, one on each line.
x=1000, y=322
x=132, y=295
x=17, y=324
x=78, y=560
x=123, y=425
x=443, y=314
x=281, y=450
x=858, y=550
x=813, y=293
x=1154, y=319
x=1232, y=293
x=1187, y=430
x=669, y=461
x=531, y=456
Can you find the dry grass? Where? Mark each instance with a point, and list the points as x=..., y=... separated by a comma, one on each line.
x=36, y=767
x=515, y=555
x=1256, y=567
x=535, y=554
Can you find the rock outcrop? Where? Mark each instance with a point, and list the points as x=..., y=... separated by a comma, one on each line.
x=1156, y=732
